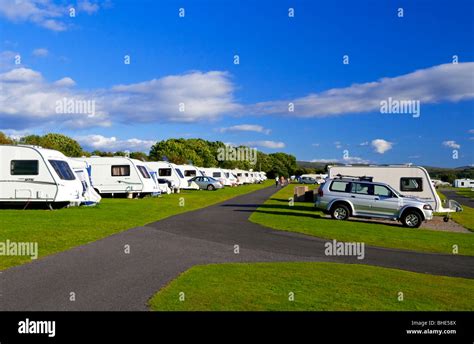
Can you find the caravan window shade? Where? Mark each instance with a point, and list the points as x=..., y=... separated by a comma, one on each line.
x=190, y=173
x=62, y=169
x=411, y=184
x=216, y=174
x=120, y=170
x=144, y=172
x=164, y=172
x=24, y=167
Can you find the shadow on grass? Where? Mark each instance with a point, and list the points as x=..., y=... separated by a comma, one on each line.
x=321, y=217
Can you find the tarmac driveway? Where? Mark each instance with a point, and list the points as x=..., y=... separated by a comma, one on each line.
x=101, y=276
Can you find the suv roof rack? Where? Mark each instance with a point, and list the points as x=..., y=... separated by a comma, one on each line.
x=363, y=178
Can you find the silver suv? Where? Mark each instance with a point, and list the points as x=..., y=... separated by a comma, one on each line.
x=360, y=197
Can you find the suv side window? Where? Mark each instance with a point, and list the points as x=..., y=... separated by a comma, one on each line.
x=411, y=184
x=382, y=191
x=362, y=188
x=340, y=186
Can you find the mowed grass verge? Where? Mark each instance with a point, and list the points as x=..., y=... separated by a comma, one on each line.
x=59, y=230
x=304, y=218
x=315, y=286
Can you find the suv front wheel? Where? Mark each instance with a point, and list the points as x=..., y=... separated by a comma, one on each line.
x=411, y=219
x=340, y=212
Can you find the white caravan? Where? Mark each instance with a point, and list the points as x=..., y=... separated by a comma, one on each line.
x=34, y=174
x=408, y=180
x=219, y=174
x=463, y=183
x=229, y=174
x=243, y=176
x=169, y=172
x=188, y=172
x=121, y=176
x=83, y=172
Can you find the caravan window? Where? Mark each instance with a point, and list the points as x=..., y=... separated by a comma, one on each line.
x=190, y=173
x=62, y=169
x=216, y=174
x=164, y=172
x=143, y=171
x=120, y=170
x=411, y=184
x=24, y=167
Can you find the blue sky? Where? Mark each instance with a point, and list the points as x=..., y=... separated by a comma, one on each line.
x=298, y=60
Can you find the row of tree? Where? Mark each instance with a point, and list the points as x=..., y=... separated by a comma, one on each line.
x=198, y=152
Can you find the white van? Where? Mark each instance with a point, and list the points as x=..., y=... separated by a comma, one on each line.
x=408, y=180
x=34, y=174
x=121, y=176
x=83, y=173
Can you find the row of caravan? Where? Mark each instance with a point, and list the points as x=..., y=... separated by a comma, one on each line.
x=34, y=174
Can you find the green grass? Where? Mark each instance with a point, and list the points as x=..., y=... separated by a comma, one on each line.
x=316, y=287
x=59, y=230
x=466, y=217
x=303, y=218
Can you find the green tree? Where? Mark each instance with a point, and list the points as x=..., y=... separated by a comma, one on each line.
x=5, y=140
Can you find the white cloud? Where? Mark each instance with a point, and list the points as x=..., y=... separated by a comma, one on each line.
x=246, y=127
x=446, y=82
x=266, y=144
x=188, y=97
x=365, y=143
x=29, y=100
x=41, y=52
x=88, y=6
x=451, y=144
x=471, y=131
x=44, y=13
x=206, y=96
x=315, y=144
x=66, y=82
x=112, y=144
x=381, y=146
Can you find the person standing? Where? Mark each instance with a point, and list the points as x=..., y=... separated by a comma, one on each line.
x=276, y=181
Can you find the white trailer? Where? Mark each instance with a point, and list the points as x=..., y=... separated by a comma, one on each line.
x=188, y=172
x=167, y=171
x=219, y=174
x=83, y=172
x=31, y=174
x=121, y=177
x=243, y=176
x=463, y=183
x=229, y=174
x=408, y=180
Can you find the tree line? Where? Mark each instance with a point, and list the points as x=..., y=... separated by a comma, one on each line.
x=197, y=152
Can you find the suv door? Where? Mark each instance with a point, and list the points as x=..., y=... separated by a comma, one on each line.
x=386, y=203
x=362, y=197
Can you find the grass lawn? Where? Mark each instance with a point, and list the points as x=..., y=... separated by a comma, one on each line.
x=315, y=286
x=466, y=217
x=59, y=230
x=303, y=218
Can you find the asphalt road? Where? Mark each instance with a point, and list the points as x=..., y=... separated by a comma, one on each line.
x=463, y=200
x=103, y=277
